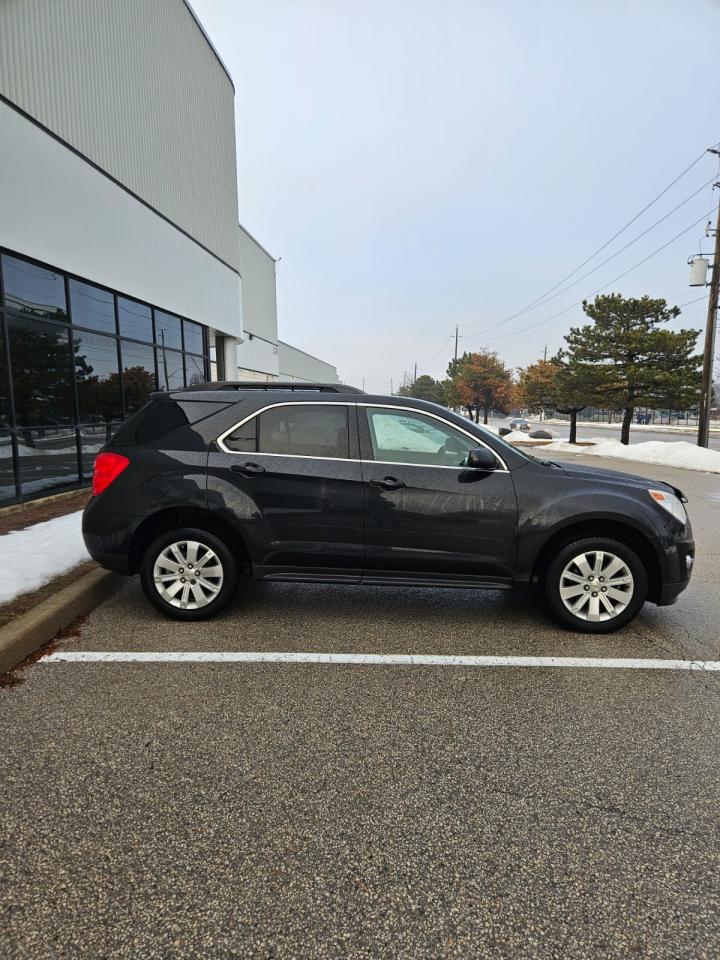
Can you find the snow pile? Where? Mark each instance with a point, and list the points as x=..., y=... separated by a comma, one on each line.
x=38, y=554
x=518, y=435
x=667, y=453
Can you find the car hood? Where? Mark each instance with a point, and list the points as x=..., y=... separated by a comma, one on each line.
x=612, y=476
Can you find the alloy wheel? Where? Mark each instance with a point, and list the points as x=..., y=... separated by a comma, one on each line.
x=188, y=574
x=596, y=586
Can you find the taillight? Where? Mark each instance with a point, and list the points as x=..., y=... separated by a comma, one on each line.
x=108, y=467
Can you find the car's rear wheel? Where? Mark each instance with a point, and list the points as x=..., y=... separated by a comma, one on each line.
x=189, y=574
x=595, y=585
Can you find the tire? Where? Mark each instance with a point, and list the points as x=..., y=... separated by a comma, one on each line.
x=576, y=569
x=170, y=556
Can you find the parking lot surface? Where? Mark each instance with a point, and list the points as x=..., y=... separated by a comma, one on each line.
x=376, y=810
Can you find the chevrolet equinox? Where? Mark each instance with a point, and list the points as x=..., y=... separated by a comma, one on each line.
x=322, y=483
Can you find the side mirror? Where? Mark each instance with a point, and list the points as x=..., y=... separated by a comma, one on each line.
x=482, y=459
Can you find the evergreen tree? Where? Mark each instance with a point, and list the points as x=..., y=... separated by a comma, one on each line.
x=424, y=388
x=635, y=361
x=577, y=386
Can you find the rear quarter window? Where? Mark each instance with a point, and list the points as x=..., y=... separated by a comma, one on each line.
x=161, y=418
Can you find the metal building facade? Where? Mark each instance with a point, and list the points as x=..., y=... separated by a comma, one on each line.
x=122, y=266
x=134, y=86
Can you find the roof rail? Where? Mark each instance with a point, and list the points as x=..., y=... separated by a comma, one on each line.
x=271, y=385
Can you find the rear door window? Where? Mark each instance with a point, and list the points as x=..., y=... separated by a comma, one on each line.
x=311, y=430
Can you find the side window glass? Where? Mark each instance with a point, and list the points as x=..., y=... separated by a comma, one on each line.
x=404, y=437
x=244, y=439
x=315, y=430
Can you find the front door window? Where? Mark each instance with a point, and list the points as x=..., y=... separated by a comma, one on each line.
x=400, y=436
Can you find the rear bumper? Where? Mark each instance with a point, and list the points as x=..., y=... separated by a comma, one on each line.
x=101, y=551
x=107, y=538
x=111, y=561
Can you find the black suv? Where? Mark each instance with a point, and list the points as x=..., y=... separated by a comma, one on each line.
x=324, y=483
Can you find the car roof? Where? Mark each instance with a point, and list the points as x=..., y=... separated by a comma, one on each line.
x=267, y=386
x=235, y=391
x=260, y=398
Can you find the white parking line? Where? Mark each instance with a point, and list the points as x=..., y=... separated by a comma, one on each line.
x=380, y=659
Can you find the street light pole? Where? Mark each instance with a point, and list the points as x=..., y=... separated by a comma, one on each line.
x=709, y=351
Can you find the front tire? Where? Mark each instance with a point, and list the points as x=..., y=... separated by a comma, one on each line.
x=595, y=585
x=188, y=574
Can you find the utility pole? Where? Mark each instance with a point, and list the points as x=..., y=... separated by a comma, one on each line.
x=391, y=387
x=456, y=340
x=415, y=377
x=708, y=354
x=545, y=353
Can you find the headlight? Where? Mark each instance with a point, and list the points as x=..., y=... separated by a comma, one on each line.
x=671, y=503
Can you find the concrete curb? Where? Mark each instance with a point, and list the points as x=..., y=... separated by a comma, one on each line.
x=542, y=443
x=30, y=631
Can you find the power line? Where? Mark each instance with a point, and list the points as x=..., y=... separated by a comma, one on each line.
x=603, y=246
x=614, y=236
x=577, y=303
x=607, y=260
x=429, y=363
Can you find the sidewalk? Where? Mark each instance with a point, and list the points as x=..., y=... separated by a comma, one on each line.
x=640, y=427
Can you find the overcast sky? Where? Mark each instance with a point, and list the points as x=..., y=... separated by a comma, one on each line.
x=418, y=165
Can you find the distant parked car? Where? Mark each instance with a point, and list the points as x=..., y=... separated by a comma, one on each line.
x=321, y=483
x=520, y=423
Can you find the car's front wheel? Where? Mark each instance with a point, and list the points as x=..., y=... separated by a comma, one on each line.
x=595, y=585
x=189, y=574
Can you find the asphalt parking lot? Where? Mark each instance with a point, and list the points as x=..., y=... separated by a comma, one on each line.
x=331, y=810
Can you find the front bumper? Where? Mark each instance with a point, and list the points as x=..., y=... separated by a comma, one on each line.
x=680, y=561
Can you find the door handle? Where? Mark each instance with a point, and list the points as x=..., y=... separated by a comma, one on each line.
x=388, y=483
x=247, y=469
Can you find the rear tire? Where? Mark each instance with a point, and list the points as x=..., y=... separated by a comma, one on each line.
x=189, y=574
x=595, y=585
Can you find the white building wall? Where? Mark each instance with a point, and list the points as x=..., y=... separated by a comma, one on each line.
x=57, y=208
x=297, y=365
x=257, y=359
x=257, y=268
x=135, y=86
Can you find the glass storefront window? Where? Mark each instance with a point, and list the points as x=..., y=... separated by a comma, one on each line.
x=168, y=332
x=68, y=386
x=7, y=469
x=171, y=374
x=97, y=377
x=138, y=369
x=41, y=372
x=194, y=340
x=4, y=392
x=33, y=291
x=194, y=370
x=135, y=320
x=92, y=307
x=48, y=458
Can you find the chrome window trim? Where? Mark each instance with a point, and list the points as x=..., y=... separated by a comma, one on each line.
x=345, y=403
x=271, y=406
